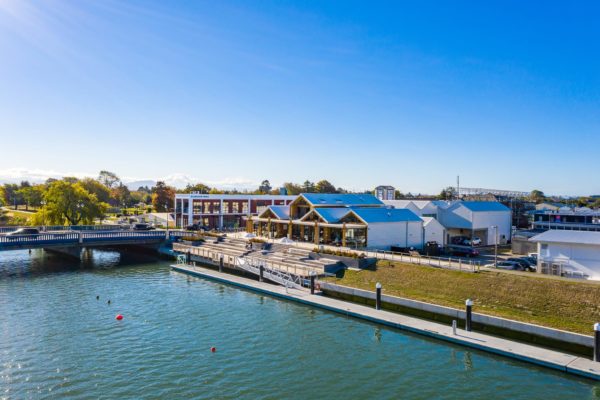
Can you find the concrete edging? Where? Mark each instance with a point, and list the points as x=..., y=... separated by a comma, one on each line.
x=512, y=325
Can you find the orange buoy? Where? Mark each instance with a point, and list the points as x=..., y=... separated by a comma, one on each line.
x=119, y=317
x=213, y=349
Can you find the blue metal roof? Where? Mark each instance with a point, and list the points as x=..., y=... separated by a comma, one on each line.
x=332, y=215
x=337, y=199
x=282, y=212
x=484, y=206
x=375, y=215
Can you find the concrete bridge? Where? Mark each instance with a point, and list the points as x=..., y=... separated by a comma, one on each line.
x=67, y=237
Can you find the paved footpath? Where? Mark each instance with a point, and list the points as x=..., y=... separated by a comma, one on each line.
x=524, y=352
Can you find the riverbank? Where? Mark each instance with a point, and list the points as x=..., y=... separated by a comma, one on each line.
x=536, y=355
x=521, y=297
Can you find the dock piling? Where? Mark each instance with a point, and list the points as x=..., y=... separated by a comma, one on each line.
x=261, y=271
x=468, y=324
x=312, y=282
x=378, y=296
x=454, y=327
x=221, y=264
x=597, y=342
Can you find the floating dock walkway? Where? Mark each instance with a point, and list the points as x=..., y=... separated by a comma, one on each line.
x=536, y=355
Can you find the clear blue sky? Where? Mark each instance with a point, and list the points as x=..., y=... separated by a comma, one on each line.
x=506, y=94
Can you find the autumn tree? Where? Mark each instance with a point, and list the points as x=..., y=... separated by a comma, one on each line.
x=95, y=187
x=163, y=196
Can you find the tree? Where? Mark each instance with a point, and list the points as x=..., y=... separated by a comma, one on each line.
x=292, y=188
x=121, y=195
x=31, y=195
x=265, y=187
x=11, y=195
x=109, y=179
x=95, y=187
x=69, y=203
x=398, y=195
x=537, y=196
x=448, y=193
x=324, y=186
x=198, y=187
x=308, y=187
x=162, y=196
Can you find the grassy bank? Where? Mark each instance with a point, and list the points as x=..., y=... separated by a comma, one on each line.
x=556, y=303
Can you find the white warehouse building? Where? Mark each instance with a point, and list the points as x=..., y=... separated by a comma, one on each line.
x=569, y=253
x=486, y=220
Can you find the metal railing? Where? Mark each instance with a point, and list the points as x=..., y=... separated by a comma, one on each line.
x=84, y=237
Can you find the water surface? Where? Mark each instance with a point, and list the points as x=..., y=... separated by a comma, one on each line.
x=58, y=341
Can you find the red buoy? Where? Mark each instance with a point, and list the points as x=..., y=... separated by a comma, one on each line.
x=213, y=349
x=119, y=317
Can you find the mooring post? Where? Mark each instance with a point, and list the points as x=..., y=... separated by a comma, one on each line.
x=312, y=282
x=188, y=258
x=221, y=264
x=597, y=342
x=261, y=270
x=454, y=327
x=469, y=304
x=378, y=296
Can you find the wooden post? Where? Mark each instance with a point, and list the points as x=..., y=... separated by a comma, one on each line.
x=269, y=228
x=302, y=233
x=290, y=227
x=344, y=234
x=316, y=233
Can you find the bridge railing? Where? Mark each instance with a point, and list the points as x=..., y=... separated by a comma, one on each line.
x=85, y=237
x=42, y=238
x=48, y=228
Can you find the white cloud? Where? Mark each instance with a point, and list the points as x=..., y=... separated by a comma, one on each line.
x=179, y=180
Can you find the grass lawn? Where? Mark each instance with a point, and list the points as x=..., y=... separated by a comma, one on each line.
x=23, y=216
x=569, y=305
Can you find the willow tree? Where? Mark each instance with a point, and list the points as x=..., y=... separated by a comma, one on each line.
x=69, y=204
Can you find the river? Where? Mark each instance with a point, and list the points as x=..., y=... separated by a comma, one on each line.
x=57, y=340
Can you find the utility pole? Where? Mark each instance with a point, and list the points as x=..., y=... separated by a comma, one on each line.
x=496, y=247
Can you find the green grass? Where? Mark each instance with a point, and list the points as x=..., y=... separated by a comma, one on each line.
x=569, y=305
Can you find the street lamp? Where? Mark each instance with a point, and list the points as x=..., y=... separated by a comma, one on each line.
x=167, y=216
x=495, y=246
x=43, y=203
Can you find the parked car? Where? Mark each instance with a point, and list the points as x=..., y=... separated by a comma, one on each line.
x=142, y=227
x=474, y=241
x=532, y=262
x=526, y=265
x=197, y=227
x=458, y=239
x=509, y=265
x=463, y=252
x=22, y=231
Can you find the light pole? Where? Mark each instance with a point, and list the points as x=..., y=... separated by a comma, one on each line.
x=43, y=203
x=495, y=246
x=167, y=216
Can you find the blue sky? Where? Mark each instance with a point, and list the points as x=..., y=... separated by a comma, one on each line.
x=504, y=94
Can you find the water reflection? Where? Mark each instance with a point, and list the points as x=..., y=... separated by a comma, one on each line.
x=29, y=263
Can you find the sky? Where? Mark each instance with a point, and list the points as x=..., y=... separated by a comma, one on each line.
x=505, y=94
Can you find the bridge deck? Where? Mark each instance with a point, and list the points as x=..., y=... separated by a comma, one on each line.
x=85, y=238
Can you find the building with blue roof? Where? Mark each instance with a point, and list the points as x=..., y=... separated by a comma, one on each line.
x=349, y=220
x=489, y=221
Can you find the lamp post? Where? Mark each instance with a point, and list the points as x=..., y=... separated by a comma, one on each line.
x=495, y=246
x=43, y=204
x=167, y=216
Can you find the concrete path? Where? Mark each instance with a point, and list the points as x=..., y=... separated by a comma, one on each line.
x=524, y=352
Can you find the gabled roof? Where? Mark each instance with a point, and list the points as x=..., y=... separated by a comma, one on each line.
x=282, y=212
x=337, y=199
x=574, y=237
x=430, y=221
x=481, y=206
x=375, y=215
x=332, y=215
